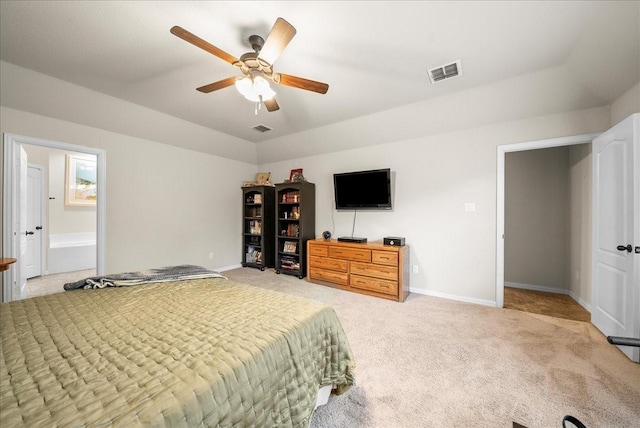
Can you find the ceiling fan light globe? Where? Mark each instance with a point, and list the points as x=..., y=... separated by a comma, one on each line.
x=243, y=85
x=261, y=86
x=255, y=89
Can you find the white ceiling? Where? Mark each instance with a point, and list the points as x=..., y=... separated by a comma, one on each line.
x=374, y=55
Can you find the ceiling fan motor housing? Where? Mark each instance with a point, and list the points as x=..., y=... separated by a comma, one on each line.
x=256, y=43
x=251, y=62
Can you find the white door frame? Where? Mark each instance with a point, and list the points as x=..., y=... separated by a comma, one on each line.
x=502, y=151
x=11, y=144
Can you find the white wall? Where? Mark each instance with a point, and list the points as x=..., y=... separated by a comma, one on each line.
x=435, y=176
x=165, y=205
x=626, y=105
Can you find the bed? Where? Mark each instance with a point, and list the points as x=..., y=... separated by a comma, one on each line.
x=204, y=351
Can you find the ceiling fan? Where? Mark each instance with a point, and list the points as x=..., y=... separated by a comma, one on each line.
x=256, y=66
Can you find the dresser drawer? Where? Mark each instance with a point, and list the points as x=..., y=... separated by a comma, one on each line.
x=385, y=257
x=376, y=271
x=374, y=284
x=350, y=253
x=331, y=264
x=318, y=250
x=329, y=276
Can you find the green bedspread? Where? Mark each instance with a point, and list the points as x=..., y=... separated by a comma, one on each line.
x=203, y=352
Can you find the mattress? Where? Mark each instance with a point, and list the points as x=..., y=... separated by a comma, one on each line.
x=198, y=352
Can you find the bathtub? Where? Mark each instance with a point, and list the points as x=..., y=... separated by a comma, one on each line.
x=72, y=251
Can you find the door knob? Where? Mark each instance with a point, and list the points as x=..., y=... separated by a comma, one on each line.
x=29, y=232
x=38, y=227
x=628, y=248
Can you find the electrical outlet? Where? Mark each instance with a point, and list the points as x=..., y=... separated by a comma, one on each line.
x=415, y=268
x=211, y=256
x=469, y=206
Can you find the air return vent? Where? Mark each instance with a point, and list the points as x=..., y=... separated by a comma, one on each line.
x=443, y=72
x=261, y=128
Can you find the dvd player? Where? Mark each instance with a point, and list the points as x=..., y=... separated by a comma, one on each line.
x=352, y=239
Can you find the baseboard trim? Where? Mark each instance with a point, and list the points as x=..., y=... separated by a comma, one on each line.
x=453, y=297
x=581, y=302
x=536, y=288
x=578, y=300
x=222, y=269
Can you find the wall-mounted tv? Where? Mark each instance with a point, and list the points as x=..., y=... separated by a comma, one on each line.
x=363, y=190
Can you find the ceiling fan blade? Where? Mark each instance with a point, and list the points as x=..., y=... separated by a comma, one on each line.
x=198, y=42
x=220, y=84
x=299, y=82
x=271, y=104
x=279, y=37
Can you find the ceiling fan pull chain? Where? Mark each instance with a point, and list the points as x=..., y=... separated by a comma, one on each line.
x=258, y=104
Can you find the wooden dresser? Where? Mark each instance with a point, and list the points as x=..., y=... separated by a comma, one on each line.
x=370, y=268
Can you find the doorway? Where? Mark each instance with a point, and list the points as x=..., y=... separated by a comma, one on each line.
x=14, y=280
x=500, y=209
x=547, y=231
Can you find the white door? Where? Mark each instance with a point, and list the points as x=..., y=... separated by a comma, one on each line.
x=33, y=258
x=616, y=283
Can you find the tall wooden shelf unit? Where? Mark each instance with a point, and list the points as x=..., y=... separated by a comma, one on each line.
x=296, y=224
x=258, y=226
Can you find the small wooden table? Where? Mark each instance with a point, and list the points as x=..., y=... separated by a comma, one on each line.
x=4, y=263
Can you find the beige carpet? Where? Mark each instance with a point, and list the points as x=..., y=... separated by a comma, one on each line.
x=48, y=284
x=432, y=362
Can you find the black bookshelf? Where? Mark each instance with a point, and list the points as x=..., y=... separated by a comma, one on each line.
x=258, y=230
x=295, y=224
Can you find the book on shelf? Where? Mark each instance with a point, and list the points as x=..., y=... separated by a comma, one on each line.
x=292, y=230
x=289, y=263
x=291, y=197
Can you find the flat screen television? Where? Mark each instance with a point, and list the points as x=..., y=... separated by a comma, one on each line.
x=363, y=190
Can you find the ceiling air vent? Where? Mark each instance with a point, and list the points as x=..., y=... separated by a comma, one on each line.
x=261, y=128
x=447, y=71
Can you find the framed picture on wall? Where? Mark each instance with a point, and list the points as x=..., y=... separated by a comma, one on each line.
x=80, y=181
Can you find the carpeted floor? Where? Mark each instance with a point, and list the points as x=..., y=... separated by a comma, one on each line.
x=539, y=302
x=41, y=285
x=432, y=362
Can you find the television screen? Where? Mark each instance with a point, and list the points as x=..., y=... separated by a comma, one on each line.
x=363, y=190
